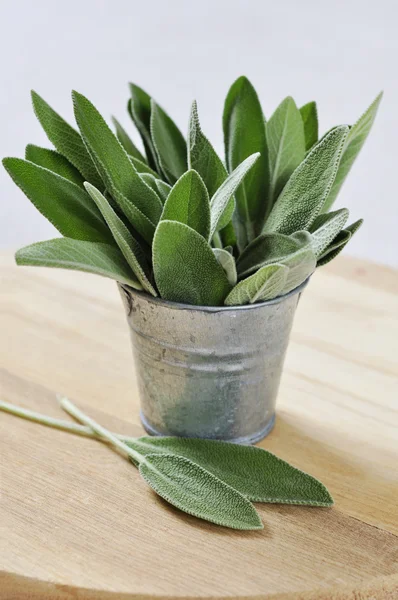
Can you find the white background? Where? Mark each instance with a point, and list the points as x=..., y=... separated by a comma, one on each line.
x=340, y=53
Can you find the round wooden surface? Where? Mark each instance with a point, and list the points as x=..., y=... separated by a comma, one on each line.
x=76, y=519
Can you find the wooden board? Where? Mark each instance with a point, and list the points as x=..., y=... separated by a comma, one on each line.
x=78, y=522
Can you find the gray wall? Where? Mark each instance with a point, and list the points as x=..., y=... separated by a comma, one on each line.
x=340, y=53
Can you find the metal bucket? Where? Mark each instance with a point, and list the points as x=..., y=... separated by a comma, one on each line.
x=209, y=372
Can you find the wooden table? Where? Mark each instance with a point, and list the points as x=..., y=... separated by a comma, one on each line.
x=78, y=522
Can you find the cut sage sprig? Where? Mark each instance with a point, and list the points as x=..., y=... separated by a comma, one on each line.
x=212, y=480
x=174, y=220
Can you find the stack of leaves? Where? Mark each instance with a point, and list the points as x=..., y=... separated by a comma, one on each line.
x=212, y=480
x=179, y=223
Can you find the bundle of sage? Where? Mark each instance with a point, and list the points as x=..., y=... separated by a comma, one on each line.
x=212, y=480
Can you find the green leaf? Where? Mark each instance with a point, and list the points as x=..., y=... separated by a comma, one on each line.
x=127, y=142
x=219, y=204
x=164, y=189
x=304, y=194
x=65, y=139
x=301, y=265
x=325, y=228
x=355, y=140
x=227, y=262
x=53, y=161
x=135, y=198
x=139, y=107
x=188, y=202
x=79, y=255
x=267, y=283
x=66, y=205
x=309, y=114
x=266, y=249
x=185, y=267
x=244, y=134
x=286, y=145
x=142, y=167
x=169, y=143
x=194, y=490
x=202, y=157
x=254, y=472
x=339, y=243
x=151, y=181
x=129, y=246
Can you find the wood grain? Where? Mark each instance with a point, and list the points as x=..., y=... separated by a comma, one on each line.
x=78, y=522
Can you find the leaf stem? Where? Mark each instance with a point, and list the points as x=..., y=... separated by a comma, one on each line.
x=72, y=410
x=36, y=417
x=217, y=240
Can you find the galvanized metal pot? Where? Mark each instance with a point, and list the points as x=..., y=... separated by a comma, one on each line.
x=209, y=372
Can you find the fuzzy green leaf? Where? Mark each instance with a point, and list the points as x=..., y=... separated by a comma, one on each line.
x=309, y=114
x=188, y=202
x=169, y=143
x=66, y=205
x=66, y=140
x=254, y=472
x=301, y=265
x=325, y=228
x=339, y=243
x=286, y=145
x=353, y=144
x=142, y=167
x=202, y=157
x=127, y=142
x=220, y=202
x=198, y=492
x=53, y=161
x=135, y=198
x=244, y=134
x=266, y=283
x=151, y=181
x=304, y=194
x=139, y=107
x=78, y=255
x=164, y=189
x=185, y=267
x=266, y=249
x=129, y=246
x=227, y=262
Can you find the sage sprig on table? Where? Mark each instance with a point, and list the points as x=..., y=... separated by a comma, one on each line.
x=172, y=219
x=212, y=480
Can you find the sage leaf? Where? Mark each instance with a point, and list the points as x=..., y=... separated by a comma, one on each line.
x=188, y=202
x=244, y=134
x=227, y=262
x=150, y=180
x=185, y=267
x=198, y=492
x=286, y=145
x=135, y=198
x=139, y=107
x=304, y=194
x=129, y=246
x=355, y=140
x=267, y=283
x=265, y=249
x=301, y=265
x=309, y=114
x=325, y=228
x=127, y=142
x=65, y=139
x=164, y=189
x=255, y=473
x=339, y=243
x=202, y=157
x=79, y=255
x=219, y=204
x=142, y=167
x=66, y=205
x=53, y=161
x=169, y=143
